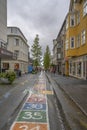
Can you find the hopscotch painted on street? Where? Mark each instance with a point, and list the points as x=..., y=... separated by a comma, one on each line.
x=34, y=113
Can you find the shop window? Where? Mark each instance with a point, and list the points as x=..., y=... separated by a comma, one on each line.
x=16, y=66
x=5, y=67
x=70, y=68
x=79, y=68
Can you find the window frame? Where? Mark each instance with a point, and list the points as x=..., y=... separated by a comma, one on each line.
x=78, y=40
x=72, y=20
x=85, y=7
x=72, y=47
x=83, y=37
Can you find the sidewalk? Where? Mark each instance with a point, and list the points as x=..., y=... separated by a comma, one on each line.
x=75, y=88
x=5, y=88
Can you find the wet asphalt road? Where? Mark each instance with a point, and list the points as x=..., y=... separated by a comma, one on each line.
x=63, y=114
x=11, y=101
x=14, y=99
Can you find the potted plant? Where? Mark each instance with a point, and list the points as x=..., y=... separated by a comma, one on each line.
x=7, y=77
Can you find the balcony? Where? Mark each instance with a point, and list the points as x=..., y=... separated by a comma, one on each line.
x=3, y=45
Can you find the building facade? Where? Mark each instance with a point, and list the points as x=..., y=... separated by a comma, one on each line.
x=72, y=39
x=3, y=21
x=59, y=50
x=17, y=43
x=76, y=39
x=4, y=53
x=54, y=61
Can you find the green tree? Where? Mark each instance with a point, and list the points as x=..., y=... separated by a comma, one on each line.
x=46, y=60
x=36, y=51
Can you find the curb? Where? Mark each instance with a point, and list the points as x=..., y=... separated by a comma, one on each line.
x=78, y=105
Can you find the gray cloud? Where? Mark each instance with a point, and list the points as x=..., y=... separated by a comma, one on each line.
x=43, y=17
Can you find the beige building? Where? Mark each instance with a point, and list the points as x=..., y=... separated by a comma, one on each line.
x=17, y=43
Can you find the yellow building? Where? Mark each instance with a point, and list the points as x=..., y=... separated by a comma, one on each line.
x=76, y=40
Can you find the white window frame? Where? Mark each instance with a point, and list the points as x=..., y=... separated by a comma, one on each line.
x=59, y=55
x=72, y=41
x=67, y=45
x=78, y=40
x=16, y=52
x=78, y=17
x=67, y=23
x=72, y=20
x=85, y=7
x=83, y=37
x=16, y=42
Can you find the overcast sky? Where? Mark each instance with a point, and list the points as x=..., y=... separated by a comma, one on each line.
x=42, y=17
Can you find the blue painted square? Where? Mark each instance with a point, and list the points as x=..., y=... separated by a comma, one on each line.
x=34, y=106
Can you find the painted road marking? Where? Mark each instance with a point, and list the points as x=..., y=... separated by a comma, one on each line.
x=30, y=106
x=47, y=92
x=32, y=116
x=34, y=113
x=30, y=126
x=34, y=98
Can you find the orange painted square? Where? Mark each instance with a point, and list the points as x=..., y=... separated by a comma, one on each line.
x=29, y=126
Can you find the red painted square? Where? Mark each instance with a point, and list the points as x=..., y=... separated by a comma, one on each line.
x=29, y=126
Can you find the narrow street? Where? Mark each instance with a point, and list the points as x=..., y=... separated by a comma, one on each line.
x=12, y=98
x=45, y=106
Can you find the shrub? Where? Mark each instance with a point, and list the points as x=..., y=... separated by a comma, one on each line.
x=10, y=75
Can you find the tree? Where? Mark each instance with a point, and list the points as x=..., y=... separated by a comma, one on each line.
x=46, y=60
x=36, y=51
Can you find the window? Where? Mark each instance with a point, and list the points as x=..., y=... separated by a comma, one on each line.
x=16, y=52
x=72, y=20
x=67, y=45
x=16, y=42
x=67, y=23
x=72, y=42
x=78, y=17
x=78, y=41
x=85, y=8
x=83, y=38
x=11, y=30
x=59, y=56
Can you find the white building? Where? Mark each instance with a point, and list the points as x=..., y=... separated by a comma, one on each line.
x=4, y=53
x=17, y=43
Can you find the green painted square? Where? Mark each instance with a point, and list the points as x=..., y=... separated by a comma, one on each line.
x=32, y=116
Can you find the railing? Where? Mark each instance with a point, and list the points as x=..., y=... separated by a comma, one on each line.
x=3, y=45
